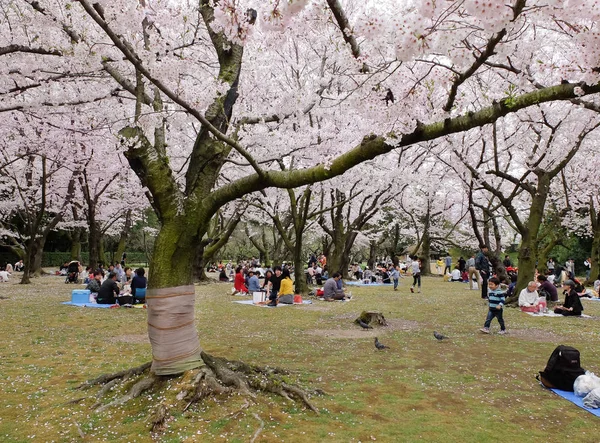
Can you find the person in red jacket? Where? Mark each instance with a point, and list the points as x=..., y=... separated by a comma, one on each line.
x=239, y=281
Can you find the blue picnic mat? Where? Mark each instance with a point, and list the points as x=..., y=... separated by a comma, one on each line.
x=576, y=400
x=87, y=305
x=358, y=283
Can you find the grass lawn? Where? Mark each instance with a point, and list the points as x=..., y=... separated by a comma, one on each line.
x=472, y=388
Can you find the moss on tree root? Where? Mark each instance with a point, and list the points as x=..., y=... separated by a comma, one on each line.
x=219, y=377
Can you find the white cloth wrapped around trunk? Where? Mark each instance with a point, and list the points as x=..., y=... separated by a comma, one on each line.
x=172, y=330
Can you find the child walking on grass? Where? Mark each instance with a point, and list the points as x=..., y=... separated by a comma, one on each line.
x=496, y=304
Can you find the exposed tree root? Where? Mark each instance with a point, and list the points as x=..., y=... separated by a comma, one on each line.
x=135, y=391
x=105, y=378
x=218, y=377
x=257, y=378
x=259, y=430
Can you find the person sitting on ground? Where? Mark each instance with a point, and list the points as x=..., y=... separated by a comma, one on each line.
x=331, y=290
x=19, y=266
x=223, y=275
x=109, y=290
x=546, y=288
x=119, y=271
x=62, y=270
x=572, y=305
x=253, y=283
x=529, y=299
x=511, y=287
x=455, y=276
x=267, y=281
x=318, y=275
x=239, y=282
x=138, y=281
x=127, y=275
x=385, y=277
x=94, y=284
x=3, y=275
x=597, y=285
x=275, y=285
x=286, y=289
x=310, y=273
x=9, y=268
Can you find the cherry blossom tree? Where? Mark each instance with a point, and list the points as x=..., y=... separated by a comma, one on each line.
x=38, y=188
x=200, y=96
x=498, y=171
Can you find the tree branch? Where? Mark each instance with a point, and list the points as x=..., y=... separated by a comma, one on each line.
x=373, y=146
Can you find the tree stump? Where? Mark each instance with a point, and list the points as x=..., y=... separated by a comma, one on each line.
x=371, y=317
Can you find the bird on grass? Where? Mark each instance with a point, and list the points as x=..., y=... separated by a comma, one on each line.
x=364, y=325
x=439, y=336
x=380, y=345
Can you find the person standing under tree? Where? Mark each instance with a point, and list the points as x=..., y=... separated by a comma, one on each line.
x=588, y=267
x=448, y=262
x=395, y=275
x=472, y=271
x=482, y=264
x=416, y=272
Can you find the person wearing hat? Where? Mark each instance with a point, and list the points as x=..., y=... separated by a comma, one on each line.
x=572, y=304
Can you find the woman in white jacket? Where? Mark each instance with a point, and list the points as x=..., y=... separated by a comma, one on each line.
x=529, y=299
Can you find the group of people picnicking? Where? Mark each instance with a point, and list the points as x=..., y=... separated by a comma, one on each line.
x=7, y=270
x=108, y=285
x=536, y=296
x=277, y=283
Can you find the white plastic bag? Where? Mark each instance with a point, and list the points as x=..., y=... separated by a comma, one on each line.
x=586, y=383
x=475, y=286
x=592, y=400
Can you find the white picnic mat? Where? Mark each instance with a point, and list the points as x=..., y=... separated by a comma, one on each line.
x=552, y=314
x=279, y=305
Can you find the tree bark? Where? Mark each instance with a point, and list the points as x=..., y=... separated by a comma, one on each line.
x=76, y=245
x=94, y=243
x=595, y=252
x=123, y=236
x=170, y=300
x=425, y=252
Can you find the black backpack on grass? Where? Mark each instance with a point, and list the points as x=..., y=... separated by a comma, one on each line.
x=564, y=366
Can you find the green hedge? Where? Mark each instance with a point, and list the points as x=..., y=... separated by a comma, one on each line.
x=55, y=259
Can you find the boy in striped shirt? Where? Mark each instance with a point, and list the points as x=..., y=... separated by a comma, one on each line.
x=496, y=303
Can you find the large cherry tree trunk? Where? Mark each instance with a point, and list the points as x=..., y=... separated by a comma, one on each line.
x=171, y=298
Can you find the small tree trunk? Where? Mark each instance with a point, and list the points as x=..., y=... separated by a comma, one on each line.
x=425, y=252
x=37, y=259
x=76, y=245
x=372, y=317
x=123, y=236
x=299, y=277
x=372, y=254
x=30, y=251
x=527, y=258
x=595, y=253
x=94, y=245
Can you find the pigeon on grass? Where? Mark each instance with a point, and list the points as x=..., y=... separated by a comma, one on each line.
x=380, y=345
x=364, y=325
x=439, y=336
